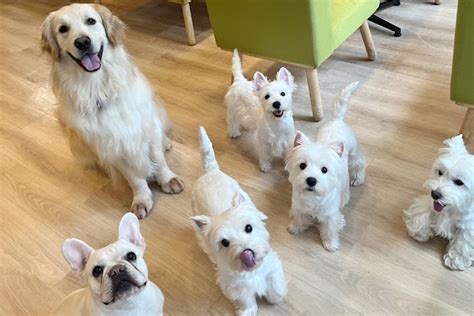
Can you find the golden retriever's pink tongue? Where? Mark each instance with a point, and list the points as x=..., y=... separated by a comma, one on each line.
x=438, y=207
x=91, y=62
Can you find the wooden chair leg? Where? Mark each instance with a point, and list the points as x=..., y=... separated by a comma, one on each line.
x=314, y=94
x=368, y=41
x=188, y=24
x=467, y=128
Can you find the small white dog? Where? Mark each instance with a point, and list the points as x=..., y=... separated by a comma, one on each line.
x=448, y=210
x=263, y=107
x=320, y=173
x=234, y=236
x=117, y=276
x=106, y=104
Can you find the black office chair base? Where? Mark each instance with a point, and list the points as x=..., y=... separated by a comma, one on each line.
x=384, y=23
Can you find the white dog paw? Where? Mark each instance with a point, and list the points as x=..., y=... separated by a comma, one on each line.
x=456, y=261
x=421, y=237
x=331, y=245
x=247, y=312
x=167, y=145
x=141, y=207
x=358, y=178
x=173, y=186
x=265, y=166
x=294, y=229
x=234, y=134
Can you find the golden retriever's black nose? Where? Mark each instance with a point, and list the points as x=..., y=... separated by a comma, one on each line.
x=83, y=43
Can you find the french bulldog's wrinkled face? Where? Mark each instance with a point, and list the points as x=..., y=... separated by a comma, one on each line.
x=115, y=272
x=276, y=96
x=237, y=237
x=81, y=32
x=451, y=182
x=314, y=169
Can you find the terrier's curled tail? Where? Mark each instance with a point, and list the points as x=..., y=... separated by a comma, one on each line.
x=237, y=66
x=208, y=159
x=342, y=100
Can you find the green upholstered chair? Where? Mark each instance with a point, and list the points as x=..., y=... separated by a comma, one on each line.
x=462, y=78
x=188, y=20
x=299, y=32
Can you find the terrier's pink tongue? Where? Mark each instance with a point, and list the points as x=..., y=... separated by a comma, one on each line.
x=91, y=62
x=248, y=259
x=438, y=207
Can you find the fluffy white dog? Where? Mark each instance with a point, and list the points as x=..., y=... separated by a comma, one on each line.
x=234, y=236
x=117, y=276
x=320, y=173
x=448, y=210
x=106, y=104
x=263, y=107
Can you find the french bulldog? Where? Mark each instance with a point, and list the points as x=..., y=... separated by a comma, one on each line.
x=117, y=276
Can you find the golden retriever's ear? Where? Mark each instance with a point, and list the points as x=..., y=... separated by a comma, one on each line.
x=48, y=39
x=114, y=27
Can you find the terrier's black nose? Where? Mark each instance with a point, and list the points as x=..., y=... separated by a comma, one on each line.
x=436, y=195
x=276, y=104
x=82, y=43
x=311, y=181
x=117, y=270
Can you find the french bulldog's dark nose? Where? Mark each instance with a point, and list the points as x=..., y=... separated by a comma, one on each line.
x=117, y=270
x=276, y=104
x=82, y=43
x=311, y=181
x=436, y=195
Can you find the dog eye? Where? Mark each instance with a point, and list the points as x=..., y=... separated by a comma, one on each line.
x=302, y=166
x=97, y=271
x=248, y=228
x=131, y=256
x=267, y=96
x=440, y=173
x=282, y=94
x=225, y=243
x=324, y=169
x=458, y=182
x=63, y=29
x=90, y=21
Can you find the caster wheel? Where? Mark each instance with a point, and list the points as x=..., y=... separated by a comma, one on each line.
x=397, y=33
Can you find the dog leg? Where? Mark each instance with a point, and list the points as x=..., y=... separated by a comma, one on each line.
x=299, y=223
x=142, y=196
x=277, y=288
x=460, y=253
x=169, y=181
x=264, y=159
x=329, y=231
x=357, y=166
x=233, y=125
x=167, y=145
x=247, y=306
x=417, y=219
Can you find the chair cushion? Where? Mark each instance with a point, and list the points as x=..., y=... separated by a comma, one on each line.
x=348, y=15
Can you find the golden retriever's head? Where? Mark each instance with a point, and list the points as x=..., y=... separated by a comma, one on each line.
x=81, y=32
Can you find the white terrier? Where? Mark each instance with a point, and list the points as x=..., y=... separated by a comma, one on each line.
x=264, y=107
x=319, y=173
x=448, y=211
x=234, y=236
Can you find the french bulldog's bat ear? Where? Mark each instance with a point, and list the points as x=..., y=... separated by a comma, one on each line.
x=455, y=145
x=200, y=222
x=76, y=252
x=338, y=147
x=283, y=75
x=259, y=80
x=129, y=230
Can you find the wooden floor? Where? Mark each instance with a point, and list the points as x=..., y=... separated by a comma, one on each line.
x=401, y=114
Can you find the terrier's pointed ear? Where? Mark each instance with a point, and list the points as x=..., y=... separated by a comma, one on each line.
x=283, y=75
x=129, y=230
x=300, y=139
x=338, y=147
x=456, y=145
x=262, y=216
x=48, y=37
x=238, y=199
x=114, y=27
x=201, y=222
x=76, y=252
x=259, y=80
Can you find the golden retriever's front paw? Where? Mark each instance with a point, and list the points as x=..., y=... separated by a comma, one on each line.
x=141, y=207
x=175, y=185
